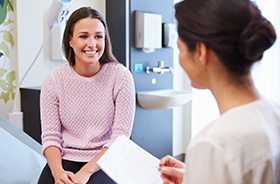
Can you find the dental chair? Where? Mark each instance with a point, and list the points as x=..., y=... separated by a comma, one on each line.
x=21, y=159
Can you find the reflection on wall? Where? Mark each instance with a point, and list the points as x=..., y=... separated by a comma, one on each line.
x=7, y=57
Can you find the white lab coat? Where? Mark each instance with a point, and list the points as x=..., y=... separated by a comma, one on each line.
x=242, y=146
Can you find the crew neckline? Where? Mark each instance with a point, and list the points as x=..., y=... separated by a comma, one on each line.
x=94, y=77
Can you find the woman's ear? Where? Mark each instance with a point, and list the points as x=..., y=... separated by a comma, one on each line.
x=70, y=40
x=201, y=49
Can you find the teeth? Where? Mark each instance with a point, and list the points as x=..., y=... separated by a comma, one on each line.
x=90, y=52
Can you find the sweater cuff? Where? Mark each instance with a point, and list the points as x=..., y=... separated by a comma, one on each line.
x=50, y=143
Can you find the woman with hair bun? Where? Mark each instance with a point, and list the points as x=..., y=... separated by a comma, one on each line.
x=219, y=42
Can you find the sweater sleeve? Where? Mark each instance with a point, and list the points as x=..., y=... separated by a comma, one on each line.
x=124, y=94
x=50, y=121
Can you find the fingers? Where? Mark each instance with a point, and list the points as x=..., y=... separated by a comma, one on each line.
x=66, y=178
x=171, y=161
x=166, y=161
x=166, y=179
x=171, y=171
x=72, y=177
x=172, y=174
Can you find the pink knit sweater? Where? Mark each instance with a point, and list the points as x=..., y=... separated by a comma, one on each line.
x=81, y=115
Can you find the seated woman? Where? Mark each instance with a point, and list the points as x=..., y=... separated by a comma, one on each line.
x=85, y=103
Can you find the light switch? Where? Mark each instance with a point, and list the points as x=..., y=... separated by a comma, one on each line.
x=138, y=67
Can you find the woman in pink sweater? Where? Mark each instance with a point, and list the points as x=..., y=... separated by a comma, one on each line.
x=85, y=103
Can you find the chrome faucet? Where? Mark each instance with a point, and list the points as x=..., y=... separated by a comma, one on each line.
x=161, y=69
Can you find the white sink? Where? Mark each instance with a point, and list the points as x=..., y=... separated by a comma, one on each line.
x=165, y=98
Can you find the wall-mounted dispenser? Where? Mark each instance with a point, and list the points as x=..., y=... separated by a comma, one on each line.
x=148, y=31
x=169, y=35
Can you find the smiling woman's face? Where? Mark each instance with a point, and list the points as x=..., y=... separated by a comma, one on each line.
x=88, y=40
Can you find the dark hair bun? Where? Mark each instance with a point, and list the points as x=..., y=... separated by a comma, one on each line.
x=258, y=36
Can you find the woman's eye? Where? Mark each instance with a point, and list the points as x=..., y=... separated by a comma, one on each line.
x=83, y=36
x=99, y=36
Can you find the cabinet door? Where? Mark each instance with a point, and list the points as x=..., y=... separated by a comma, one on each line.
x=30, y=99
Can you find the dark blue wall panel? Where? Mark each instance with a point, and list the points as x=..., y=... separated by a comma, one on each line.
x=152, y=128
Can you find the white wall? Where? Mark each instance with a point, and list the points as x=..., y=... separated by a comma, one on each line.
x=181, y=114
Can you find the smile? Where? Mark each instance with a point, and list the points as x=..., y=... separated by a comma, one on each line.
x=90, y=52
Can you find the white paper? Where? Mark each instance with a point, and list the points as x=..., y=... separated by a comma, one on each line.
x=127, y=163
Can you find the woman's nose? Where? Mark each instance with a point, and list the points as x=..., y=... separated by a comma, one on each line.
x=91, y=41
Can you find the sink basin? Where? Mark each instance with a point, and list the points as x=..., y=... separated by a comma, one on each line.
x=165, y=98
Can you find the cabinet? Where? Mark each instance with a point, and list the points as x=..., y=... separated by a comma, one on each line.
x=30, y=106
